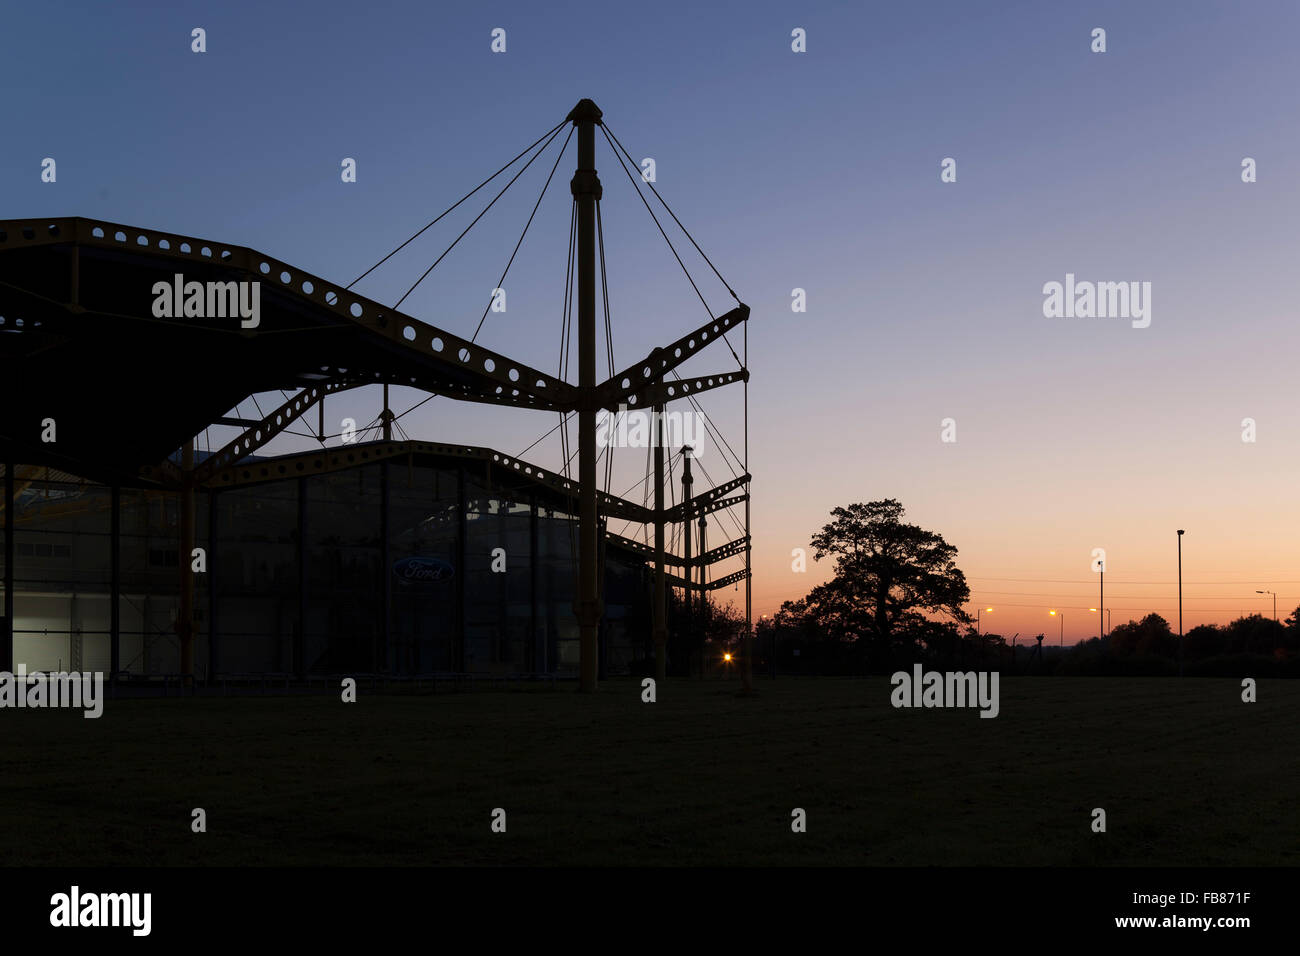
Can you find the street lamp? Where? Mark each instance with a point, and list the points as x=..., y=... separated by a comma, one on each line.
x=977, y=620
x=768, y=617
x=1101, y=600
x=1180, y=602
x=1274, y=593
x=1062, y=617
x=1107, y=630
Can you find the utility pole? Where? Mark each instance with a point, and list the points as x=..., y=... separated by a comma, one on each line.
x=586, y=190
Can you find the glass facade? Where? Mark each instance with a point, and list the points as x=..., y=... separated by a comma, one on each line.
x=404, y=566
x=63, y=568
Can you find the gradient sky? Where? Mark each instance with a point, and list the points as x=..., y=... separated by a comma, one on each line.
x=816, y=170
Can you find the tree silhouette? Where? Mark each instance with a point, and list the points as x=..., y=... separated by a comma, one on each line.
x=888, y=576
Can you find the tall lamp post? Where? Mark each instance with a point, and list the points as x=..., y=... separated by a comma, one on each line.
x=1061, y=615
x=768, y=617
x=977, y=619
x=1101, y=599
x=1180, y=602
x=1274, y=593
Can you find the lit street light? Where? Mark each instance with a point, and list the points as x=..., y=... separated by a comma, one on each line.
x=977, y=620
x=1062, y=617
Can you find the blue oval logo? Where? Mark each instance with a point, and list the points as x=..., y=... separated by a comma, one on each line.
x=417, y=570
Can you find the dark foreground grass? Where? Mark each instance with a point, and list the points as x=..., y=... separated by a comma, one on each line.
x=1186, y=772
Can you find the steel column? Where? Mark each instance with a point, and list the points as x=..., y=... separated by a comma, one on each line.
x=213, y=655
x=586, y=190
x=115, y=582
x=185, y=615
x=7, y=638
x=385, y=590
x=687, y=481
x=661, y=591
x=462, y=529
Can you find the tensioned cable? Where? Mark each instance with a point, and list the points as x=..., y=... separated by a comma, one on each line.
x=445, y=253
x=609, y=332
x=454, y=205
x=671, y=247
x=417, y=405
x=566, y=338
x=694, y=403
x=564, y=417
x=710, y=428
x=545, y=186
x=715, y=484
x=645, y=497
x=610, y=134
x=565, y=325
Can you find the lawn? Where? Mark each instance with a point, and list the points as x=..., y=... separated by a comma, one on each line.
x=1188, y=775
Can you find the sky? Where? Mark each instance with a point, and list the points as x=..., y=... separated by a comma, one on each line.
x=816, y=170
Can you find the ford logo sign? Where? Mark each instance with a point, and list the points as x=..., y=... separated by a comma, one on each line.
x=422, y=570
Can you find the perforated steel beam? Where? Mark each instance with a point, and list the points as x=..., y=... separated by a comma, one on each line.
x=700, y=503
x=661, y=361
x=712, y=585
x=349, y=456
x=502, y=376
x=273, y=424
x=722, y=552
x=721, y=503
x=659, y=393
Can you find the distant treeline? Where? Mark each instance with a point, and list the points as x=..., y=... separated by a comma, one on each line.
x=1253, y=646
x=898, y=598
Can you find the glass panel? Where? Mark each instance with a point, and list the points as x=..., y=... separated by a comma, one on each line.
x=423, y=547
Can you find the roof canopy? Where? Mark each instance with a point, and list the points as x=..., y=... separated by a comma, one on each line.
x=80, y=344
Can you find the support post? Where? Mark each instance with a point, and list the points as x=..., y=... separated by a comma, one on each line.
x=214, y=656
x=386, y=655
x=7, y=637
x=704, y=605
x=387, y=417
x=586, y=190
x=747, y=685
x=462, y=529
x=115, y=581
x=660, y=631
x=687, y=481
x=185, y=615
x=300, y=641
x=537, y=640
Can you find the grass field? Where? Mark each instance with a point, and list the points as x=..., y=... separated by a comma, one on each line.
x=1187, y=774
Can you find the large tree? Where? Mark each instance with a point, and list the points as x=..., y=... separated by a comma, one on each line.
x=888, y=575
